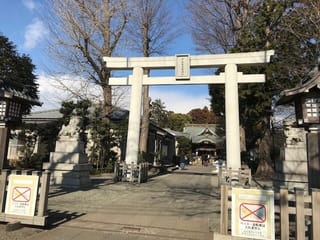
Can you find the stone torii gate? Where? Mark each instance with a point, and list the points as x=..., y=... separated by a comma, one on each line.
x=182, y=65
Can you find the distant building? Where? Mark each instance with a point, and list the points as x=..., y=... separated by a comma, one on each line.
x=206, y=139
x=161, y=143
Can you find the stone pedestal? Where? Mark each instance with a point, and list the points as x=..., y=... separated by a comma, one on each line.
x=68, y=165
x=292, y=167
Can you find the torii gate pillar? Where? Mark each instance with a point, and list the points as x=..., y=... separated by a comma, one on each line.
x=182, y=64
x=132, y=149
x=232, y=117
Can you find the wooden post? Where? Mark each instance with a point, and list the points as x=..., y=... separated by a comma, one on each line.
x=284, y=213
x=315, y=195
x=140, y=177
x=224, y=214
x=300, y=221
x=130, y=166
x=313, y=146
x=124, y=172
x=116, y=172
x=219, y=175
x=249, y=176
x=3, y=186
x=147, y=169
x=4, y=142
x=143, y=167
x=44, y=191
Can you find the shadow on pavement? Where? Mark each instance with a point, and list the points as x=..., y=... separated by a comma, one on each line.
x=193, y=172
x=56, y=218
x=96, y=182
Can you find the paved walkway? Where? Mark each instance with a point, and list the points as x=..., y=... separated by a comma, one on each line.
x=181, y=205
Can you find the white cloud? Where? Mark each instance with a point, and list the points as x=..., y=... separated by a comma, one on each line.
x=35, y=33
x=29, y=4
x=177, y=99
x=54, y=90
x=50, y=96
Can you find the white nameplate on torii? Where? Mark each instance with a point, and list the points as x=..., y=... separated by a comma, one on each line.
x=182, y=68
x=182, y=63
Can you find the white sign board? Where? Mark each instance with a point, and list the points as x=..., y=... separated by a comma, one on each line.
x=22, y=195
x=253, y=213
x=182, y=67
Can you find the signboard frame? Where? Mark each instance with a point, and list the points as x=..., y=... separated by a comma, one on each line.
x=253, y=213
x=22, y=195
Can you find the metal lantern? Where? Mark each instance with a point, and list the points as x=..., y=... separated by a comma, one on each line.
x=306, y=98
x=12, y=103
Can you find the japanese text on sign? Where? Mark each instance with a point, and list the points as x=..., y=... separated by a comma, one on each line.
x=182, y=67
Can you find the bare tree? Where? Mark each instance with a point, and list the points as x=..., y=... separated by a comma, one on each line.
x=150, y=31
x=307, y=14
x=216, y=24
x=83, y=32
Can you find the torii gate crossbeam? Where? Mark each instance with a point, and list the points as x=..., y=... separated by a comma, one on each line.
x=182, y=65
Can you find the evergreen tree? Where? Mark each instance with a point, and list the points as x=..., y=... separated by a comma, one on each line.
x=294, y=58
x=16, y=71
x=177, y=121
x=276, y=25
x=158, y=113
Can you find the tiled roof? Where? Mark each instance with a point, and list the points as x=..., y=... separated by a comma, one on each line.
x=287, y=96
x=42, y=116
x=203, y=132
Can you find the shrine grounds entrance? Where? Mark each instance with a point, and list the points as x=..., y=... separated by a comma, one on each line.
x=181, y=205
x=182, y=64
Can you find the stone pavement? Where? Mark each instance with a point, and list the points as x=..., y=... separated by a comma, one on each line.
x=181, y=205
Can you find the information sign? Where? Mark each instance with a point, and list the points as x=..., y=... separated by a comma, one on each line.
x=22, y=195
x=253, y=213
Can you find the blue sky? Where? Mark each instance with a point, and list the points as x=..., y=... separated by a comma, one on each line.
x=19, y=21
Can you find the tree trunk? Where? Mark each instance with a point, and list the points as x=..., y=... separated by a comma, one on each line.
x=107, y=103
x=265, y=164
x=145, y=120
x=107, y=108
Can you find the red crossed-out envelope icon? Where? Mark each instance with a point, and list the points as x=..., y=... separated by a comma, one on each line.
x=21, y=194
x=252, y=212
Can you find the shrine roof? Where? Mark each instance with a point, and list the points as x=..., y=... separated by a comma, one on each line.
x=288, y=95
x=203, y=132
x=42, y=116
x=18, y=95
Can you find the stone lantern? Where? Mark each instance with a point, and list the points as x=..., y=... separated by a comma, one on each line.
x=306, y=131
x=12, y=104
